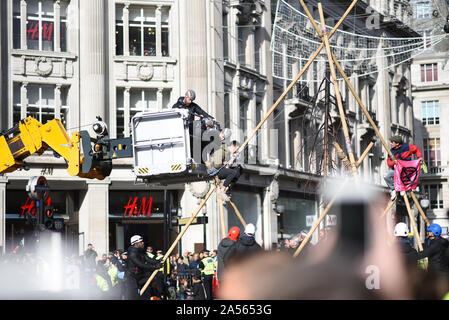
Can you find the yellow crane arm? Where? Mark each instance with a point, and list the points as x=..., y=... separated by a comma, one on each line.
x=30, y=136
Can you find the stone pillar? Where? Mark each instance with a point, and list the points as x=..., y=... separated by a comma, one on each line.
x=92, y=60
x=158, y=31
x=23, y=25
x=93, y=216
x=126, y=115
x=3, y=182
x=23, y=100
x=126, y=29
x=58, y=102
x=57, y=10
x=159, y=99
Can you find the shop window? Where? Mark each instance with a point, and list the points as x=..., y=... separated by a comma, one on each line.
x=136, y=203
x=142, y=30
x=40, y=25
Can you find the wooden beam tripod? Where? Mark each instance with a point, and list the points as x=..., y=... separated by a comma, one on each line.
x=215, y=188
x=325, y=36
x=332, y=60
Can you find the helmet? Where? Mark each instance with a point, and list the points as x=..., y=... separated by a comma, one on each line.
x=190, y=94
x=136, y=239
x=250, y=229
x=435, y=228
x=401, y=230
x=226, y=133
x=234, y=233
x=397, y=139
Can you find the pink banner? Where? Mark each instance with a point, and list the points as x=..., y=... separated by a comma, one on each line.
x=406, y=175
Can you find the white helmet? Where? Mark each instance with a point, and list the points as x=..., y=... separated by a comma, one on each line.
x=401, y=230
x=136, y=239
x=250, y=229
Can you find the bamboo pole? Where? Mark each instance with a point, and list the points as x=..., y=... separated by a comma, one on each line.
x=220, y=204
x=419, y=208
x=237, y=212
x=317, y=223
x=167, y=254
x=342, y=155
x=365, y=111
x=412, y=221
x=390, y=204
x=282, y=96
x=365, y=153
x=348, y=142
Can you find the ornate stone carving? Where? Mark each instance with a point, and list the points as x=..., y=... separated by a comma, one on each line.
x=145, y=71
x=199, y=189
x=43, y=66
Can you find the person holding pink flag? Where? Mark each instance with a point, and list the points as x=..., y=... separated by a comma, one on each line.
x=406, y=170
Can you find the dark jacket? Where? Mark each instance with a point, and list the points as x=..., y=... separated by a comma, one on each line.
x=139, y=264
x=194, y=266
x=436, y=252
x=244, y=247
x=409, y=253
x=194, y=109
x=89, y=258
x=199, y=291
x=223, y=247
x=404, y=152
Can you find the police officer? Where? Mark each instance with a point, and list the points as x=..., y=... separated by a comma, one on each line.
x=436, y=251
x=207, y=267
x=139, y=268
x=410, y=254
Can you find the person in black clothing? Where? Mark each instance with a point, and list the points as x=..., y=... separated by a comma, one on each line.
x=436, y=251
x=139, y=269
x=410, y=254
x=186, y=102
x=246, y=246
x=199, y=291
x=223, y=247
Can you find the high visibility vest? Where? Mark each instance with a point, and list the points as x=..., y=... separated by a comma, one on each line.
x=446, y=296
x=422, y=263
x=113, y=273
x=166, y=265
x=209, y=266
x=150, y=255
x=102, y=283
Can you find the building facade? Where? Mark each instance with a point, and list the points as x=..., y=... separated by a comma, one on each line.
x=430, y=89
x=78, y=59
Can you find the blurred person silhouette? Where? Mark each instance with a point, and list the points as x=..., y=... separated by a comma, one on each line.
x=355, y=262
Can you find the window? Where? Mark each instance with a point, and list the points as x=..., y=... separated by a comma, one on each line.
x=242, y=45
x=435, y=193
x=429, y=72
x=430, y=112
x=225, y=37
x=143, y=30
x=138, y=100
x=426, y=34
x=41, y=102
x=432, y=152
x=40, y=25
x=423, y=10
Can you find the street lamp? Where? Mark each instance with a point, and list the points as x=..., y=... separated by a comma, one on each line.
x=424, y=203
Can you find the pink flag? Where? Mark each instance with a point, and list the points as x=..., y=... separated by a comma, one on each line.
x=406, y=175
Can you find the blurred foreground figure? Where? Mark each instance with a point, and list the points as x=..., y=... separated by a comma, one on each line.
x=356, y=260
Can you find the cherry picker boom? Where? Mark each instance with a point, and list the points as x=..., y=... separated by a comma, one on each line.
x=87, y=157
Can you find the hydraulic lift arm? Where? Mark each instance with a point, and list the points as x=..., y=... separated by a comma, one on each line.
x=84, y=160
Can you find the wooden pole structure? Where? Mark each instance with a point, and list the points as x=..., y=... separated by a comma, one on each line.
x=423, y=215
x=390, y=204
x=365, y=111
x=365, y=153
x=317, y=223
x=167, y=254
x=348, y=142
x=237, y=212
x=324, y=213
x=220, y=204
x=290, y=86
x=412, y=221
